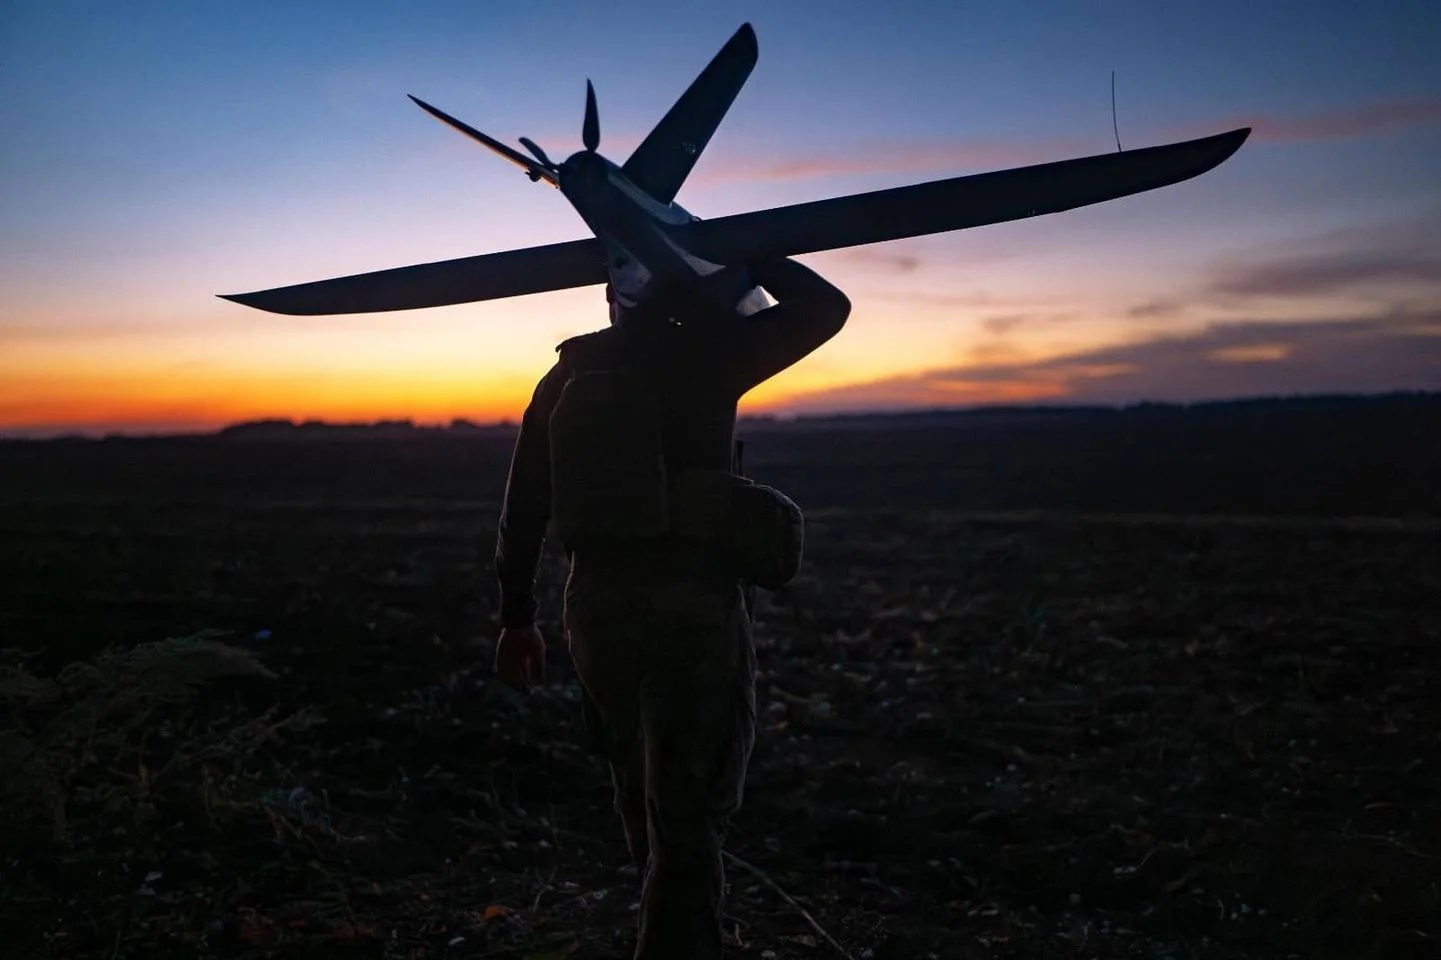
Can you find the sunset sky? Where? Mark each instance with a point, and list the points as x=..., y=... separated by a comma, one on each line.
x=153, y=155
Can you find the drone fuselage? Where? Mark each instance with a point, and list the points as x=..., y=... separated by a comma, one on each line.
x=641, y=255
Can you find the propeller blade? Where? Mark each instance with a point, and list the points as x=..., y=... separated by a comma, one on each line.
x=537, y=152
x=590, y=133
x=536, y=171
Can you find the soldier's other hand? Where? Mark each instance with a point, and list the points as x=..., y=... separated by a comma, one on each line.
x=520, y=657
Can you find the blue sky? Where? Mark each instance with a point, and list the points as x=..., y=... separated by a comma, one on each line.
x=156, y=154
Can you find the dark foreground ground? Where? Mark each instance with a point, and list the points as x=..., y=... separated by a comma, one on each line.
x=1156, y=684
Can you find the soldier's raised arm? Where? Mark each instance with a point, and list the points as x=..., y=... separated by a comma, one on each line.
x=809, y=310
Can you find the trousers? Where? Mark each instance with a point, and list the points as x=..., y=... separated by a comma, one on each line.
x=665, y=656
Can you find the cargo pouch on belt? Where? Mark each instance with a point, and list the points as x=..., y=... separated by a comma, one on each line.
x=757, y=529
x=766, y=535
x=608, y=475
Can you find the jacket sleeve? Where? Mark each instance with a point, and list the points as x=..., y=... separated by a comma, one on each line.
x=808, y=311
x=526, y=511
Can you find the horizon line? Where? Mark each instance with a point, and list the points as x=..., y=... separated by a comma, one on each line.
x=465, y=424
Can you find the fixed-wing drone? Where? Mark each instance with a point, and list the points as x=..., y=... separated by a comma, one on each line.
x=644, y=240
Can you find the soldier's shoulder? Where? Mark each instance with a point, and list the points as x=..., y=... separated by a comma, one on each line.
x=588, y=349
x=596, y=339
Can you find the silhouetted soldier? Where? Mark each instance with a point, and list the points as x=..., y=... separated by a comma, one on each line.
x=625, y=453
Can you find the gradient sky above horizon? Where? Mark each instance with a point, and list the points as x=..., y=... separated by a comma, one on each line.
x=156, y=154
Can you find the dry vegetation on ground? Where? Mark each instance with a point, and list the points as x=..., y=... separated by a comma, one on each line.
x=1039, y=734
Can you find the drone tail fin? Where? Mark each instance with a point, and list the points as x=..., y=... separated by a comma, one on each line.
x=665, y=158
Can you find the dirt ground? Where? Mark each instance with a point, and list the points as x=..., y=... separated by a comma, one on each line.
x=1043, y=726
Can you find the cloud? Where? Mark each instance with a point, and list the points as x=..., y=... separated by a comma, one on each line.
x=1364, y=121
x=943, y=299
x=1251, y=353
x=1386, y=257
x=92, y=330
x=1317, y=274
x=1397, y=350
x=1006, y=322
x=878, y=255
x=1155, y=309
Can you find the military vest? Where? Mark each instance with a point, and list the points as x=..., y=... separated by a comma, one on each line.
x=607, y=461
x=611, y=484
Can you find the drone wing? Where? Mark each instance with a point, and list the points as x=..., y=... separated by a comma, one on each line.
x=490, y=276
x=665, y=157
x=953, y=204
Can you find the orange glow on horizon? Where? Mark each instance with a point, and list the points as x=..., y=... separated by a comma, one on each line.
x=452, y=365
x=205, y=401
x=100, y=411
x=208, y=404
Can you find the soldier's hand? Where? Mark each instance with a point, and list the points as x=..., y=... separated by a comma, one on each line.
x=520, y=657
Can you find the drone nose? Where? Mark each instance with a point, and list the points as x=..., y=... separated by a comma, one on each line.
x=580, y=169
